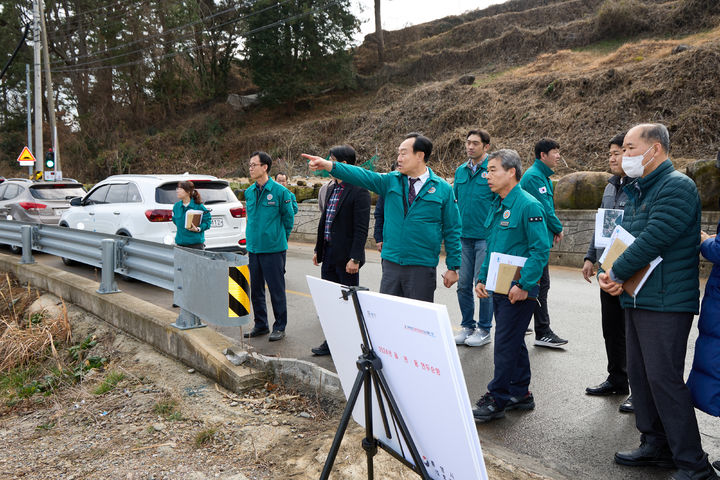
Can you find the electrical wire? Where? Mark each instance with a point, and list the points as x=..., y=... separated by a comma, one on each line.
x=183, y=37
x=146, y=39
x=197, y=47
x=17, y=49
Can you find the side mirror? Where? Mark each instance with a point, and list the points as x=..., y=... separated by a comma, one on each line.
x=76, y=202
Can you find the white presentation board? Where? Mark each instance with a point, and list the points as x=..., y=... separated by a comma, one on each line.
x=415, y=342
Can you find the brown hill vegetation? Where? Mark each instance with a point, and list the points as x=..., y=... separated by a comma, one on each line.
x=577, y=70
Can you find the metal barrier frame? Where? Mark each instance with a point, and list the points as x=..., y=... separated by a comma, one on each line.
x=150, y=262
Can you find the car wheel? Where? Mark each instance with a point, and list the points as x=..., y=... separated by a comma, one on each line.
x=67, y=261
x=15, y=249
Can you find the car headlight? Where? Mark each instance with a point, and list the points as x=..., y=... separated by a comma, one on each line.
x=9, y=217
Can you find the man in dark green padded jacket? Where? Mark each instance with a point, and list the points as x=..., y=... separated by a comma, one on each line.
x=515, y=226
x=420, y=214
x=663, y=213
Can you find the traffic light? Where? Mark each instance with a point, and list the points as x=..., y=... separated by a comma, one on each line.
x=50, y=160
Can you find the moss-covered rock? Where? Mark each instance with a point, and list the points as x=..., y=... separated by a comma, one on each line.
x=706, y=175
x=580, y=190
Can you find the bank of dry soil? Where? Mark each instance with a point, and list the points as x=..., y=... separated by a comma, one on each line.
x=162, y=421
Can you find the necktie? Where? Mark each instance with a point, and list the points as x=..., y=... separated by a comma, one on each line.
x=411, y=193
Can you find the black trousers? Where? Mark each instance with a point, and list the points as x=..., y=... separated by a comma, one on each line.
x=268, y=268
x=541, y=315
x=664, y=412
x=512, y=363
x=336, y=273
x=409, y=281
x=613, y=328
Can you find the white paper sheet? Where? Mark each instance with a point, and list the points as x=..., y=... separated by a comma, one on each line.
x=606, y=219
x=495, y=260
x=414, y=341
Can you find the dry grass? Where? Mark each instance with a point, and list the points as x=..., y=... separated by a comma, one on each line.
x=26, y=339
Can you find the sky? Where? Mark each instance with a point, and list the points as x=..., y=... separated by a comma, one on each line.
x=398, y=14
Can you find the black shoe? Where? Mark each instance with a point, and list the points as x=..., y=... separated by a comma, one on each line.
x=706, y=473
x=716, y=463
x=607, y=388
x=486, y=409
x=276, y=335
x=627, y=406
x=321, y=350
x=256, y=332
x=525, y=403
x=646, y=456
x=550, y=340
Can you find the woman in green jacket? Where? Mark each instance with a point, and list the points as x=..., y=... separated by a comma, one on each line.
x=189, y=199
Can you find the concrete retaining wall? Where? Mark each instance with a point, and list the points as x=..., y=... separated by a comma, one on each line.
x=579, y=226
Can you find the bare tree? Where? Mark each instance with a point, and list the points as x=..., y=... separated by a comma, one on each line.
x=379, y=34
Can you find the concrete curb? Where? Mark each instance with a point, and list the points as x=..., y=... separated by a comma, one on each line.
x=202, y=349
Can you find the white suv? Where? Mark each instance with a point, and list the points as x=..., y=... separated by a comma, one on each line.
x=140, y=206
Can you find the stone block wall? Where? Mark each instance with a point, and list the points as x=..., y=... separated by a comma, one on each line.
x=579, y=226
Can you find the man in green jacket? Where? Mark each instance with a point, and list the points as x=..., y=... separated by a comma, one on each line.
x=420, y=214
x=516, y=226
x=537, y=183
x=474, y=198
x=270, y=218
x=663, y=213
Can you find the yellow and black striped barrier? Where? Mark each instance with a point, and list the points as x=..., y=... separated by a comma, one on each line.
x=238, y=291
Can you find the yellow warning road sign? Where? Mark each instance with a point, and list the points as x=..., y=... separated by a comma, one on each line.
x=26, y=158
x=238, y=291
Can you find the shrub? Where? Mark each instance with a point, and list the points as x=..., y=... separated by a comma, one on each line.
x=622, y=18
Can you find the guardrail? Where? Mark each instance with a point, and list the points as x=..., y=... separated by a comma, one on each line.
x=150, y=262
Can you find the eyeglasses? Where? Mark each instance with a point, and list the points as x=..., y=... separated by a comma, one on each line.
x=253, y=165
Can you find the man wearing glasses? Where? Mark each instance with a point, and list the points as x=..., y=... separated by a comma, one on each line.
x=270, y=218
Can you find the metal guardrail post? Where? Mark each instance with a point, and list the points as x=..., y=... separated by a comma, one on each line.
x=107, y=279
x=27, y=256
x=187, y=320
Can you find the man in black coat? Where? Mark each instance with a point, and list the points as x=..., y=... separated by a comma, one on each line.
x=342, y=231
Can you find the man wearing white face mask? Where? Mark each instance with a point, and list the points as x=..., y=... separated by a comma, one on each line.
x=663, y=213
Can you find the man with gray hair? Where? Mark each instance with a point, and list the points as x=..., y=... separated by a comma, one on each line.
x=663, y=213
x=515, y=226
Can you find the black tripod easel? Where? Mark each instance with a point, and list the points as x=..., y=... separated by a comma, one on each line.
x=371, y=375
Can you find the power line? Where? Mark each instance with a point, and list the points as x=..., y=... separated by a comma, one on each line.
x=135, y=42
x=107, y=5
x=196, y=47
x=182, y=37
x=90, y=23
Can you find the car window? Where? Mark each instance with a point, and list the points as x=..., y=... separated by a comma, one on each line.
x=210, y=192
x=56, y=191
x=2, y=189
x=11, y=191
x=97, y=196
x=117, y=194
x=133, y=194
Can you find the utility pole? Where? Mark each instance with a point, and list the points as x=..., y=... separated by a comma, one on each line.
x=49, y=87
x=38, y=88
x=29, y=107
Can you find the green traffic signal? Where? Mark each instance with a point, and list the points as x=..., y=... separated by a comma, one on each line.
x=50, y=160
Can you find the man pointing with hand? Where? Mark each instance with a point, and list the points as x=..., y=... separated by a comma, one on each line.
x=420, y=214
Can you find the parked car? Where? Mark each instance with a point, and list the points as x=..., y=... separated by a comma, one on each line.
x=140, y=206
x=36, y=202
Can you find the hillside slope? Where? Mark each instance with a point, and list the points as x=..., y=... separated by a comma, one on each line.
x=560, y=68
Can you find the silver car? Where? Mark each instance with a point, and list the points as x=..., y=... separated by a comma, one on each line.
x=36, y=202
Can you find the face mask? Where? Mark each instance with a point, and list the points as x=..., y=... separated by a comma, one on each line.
x=633, y=166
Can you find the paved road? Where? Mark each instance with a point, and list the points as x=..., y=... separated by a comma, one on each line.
x=568, y=431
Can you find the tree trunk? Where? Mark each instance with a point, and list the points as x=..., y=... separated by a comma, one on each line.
x=379, y=34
